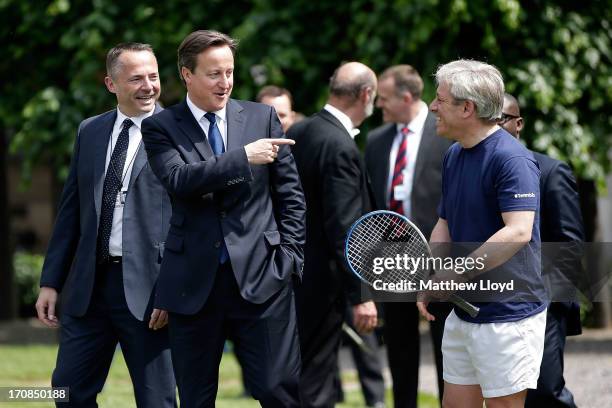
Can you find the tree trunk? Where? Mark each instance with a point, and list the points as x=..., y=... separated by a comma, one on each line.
x=8, y=305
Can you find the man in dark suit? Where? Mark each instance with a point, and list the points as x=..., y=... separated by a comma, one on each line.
x=236, y=232
x=106, y=246
x=335, y=185
x=560, y=222
x=404, y=161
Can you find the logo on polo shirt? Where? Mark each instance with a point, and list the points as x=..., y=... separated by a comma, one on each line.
x=526, y=195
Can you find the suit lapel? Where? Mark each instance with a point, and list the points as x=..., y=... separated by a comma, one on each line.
x=139, y=161
x=190, y=127
x=141, y=157
x=235, y=125
x=101, y=129
x=381, y=178
x=429, y=131
x=332, y=119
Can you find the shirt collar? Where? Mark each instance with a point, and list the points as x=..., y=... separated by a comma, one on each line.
x=343, y=119
x=417, y=124
x=137, y=120
x=198, y=113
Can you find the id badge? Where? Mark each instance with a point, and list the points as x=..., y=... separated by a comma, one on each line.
x=400, y=193
x=121, y=196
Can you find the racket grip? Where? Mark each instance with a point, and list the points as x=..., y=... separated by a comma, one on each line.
x=466, y=306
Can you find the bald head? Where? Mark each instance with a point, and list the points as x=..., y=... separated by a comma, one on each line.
x=511, y=119
x=350, y=79
x=352, y=89
x=511, y=105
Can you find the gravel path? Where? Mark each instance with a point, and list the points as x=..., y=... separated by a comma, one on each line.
x=588, y=367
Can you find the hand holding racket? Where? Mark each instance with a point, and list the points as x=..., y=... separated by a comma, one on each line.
x=386, y=235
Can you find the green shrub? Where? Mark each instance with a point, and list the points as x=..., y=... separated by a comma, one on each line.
x=27, y=269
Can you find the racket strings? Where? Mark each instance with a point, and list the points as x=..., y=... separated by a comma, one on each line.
x=387, y=236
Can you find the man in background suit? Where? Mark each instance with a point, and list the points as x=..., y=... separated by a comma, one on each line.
x=280, y=99
x=106, y=246
x=236, y=232
x=335, y=185
x=404, y=161
x=560, y=221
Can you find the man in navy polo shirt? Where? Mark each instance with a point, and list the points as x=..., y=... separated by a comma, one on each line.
x=490, y=195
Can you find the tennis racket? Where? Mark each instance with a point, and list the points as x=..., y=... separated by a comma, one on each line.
x=385, y=235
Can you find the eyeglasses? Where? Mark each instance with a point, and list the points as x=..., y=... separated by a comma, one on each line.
x=506, y=117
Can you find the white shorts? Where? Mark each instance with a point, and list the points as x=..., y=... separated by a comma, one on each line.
x=503, y=358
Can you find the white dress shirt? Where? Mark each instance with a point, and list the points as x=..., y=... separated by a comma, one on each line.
x=343, y=118
x=115, y=245
x=413, y=140
x=221, y=115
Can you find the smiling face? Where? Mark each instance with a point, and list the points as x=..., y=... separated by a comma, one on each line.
x=211, y=82
x=395, y=107
x=135, y=82
x=449, y=112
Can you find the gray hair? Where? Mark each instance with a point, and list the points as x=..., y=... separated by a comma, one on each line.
x=475, y=81
x=112, y=57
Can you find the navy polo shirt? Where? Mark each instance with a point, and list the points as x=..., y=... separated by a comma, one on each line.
x=479, y=184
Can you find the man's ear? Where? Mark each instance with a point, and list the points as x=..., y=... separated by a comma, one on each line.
x=186, y=74
x=407, y=98
x=110, y=85
x=469, y=108
x=364, y=94
x=519, y=124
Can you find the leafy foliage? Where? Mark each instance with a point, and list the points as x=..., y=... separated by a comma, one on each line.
x=555, y=56
x=27, y=277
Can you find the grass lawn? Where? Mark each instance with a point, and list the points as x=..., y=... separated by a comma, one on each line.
x=32, y=366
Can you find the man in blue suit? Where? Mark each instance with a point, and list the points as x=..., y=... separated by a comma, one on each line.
x=107, y=245
x=236, y=232
x=561, y=222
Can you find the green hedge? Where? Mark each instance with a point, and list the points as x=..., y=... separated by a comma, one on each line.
x=27, y=269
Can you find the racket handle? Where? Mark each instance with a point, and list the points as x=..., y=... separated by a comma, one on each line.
x=466, y=306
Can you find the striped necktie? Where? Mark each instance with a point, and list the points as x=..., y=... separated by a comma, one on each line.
x=398, y=172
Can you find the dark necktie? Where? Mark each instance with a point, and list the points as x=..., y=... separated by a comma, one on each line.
x=216, y=144
x=398, y=173
x=112, y=185
x=214, y=136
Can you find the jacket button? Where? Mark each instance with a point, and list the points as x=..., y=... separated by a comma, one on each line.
x=223, y=214
x=218, y=244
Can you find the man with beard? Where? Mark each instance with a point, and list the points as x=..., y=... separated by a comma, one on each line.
x=336, y=190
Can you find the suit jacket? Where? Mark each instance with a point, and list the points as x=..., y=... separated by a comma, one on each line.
x=257, y=210
x=561, y=222
x=427, y=183
x=335, y=185
x=70, y=264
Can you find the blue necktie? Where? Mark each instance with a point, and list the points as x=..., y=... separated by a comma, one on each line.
x=214, y=136
x=112, y=184
x=216, y=144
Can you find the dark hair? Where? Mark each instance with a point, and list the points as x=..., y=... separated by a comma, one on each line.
x=350, y=88
x=199, y=41
x=405, y=78
x=112, y=57
x=273, y=91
